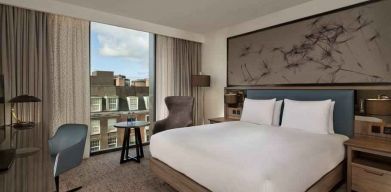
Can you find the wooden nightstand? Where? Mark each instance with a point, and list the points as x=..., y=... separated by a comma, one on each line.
x=369, y=164
x=221, y=119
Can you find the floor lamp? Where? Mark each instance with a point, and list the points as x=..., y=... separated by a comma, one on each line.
x=201, y=81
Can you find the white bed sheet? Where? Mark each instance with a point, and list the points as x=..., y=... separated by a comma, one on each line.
x=240, y=156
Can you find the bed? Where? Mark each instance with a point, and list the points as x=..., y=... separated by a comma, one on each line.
x=241, y=156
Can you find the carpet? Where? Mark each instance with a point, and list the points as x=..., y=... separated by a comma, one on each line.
x=105, y=173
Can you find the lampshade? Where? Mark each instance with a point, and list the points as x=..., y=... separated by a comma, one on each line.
x=24, y=99
x=230, y=98
x=378, y=107
x=200, y=80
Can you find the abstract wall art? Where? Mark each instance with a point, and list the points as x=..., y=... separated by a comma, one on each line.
x=347, y=46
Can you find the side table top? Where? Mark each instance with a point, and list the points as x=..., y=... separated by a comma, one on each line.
x=370, y=143
x=131, y=124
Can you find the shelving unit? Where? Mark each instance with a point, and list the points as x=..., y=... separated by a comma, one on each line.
x=369, y=164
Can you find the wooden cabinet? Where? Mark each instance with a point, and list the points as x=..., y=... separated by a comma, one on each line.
x=369, y=164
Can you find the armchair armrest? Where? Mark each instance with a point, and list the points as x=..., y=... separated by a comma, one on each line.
x=159, y=126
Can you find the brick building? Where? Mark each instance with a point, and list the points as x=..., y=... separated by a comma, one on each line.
x=111, y=101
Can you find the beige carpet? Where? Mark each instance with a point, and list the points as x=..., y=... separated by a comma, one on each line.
x=104, y=173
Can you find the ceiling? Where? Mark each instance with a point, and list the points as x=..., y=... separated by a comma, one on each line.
x=192, y=15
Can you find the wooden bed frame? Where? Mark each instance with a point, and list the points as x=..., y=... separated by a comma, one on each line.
x=182, y=183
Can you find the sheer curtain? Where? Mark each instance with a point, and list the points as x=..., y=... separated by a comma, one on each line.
x=69, y=71
x=176, y=61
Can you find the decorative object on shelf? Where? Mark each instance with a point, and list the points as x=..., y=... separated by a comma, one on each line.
x=23, y=102
x=346, y=46
x=379, y=106
x=201, y=81
x=233, y=103
x=234, y=112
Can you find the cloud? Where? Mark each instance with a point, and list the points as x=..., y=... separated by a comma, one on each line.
x=121, y=42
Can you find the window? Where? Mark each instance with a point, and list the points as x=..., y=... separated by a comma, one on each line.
x=112, y=141
x=146, y=101
x=95, y=126
x=121, y=65
x=132, y=138
x=110, y=125
x=96, y=104
x=146, y=129
x=111, y=103
x=95, y=145
x=132, y=103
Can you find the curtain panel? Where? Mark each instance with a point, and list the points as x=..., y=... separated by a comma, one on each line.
x=176, y=61
x=24, y=59
x=46, y=56
x=69, y=71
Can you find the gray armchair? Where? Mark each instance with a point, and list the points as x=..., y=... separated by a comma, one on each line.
x=180, y=113
x=67, y=148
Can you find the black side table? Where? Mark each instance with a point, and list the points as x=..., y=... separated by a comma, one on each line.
x=125, y=145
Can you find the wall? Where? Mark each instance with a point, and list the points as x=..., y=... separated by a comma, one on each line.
x=214, y=61
x=61, y=8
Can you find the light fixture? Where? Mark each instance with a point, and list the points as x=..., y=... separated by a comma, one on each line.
x=201, y=81
x=20, y=124
x=380, y=106
x=24, y=102
x=230, y=98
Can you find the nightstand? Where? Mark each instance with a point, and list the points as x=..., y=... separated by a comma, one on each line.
x=369, y=164
x=221, y=119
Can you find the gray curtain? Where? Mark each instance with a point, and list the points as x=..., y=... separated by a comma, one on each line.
x=24, y=40
x=176, y=61
x=46, y=56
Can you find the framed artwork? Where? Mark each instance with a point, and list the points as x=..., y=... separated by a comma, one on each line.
x=346, y=46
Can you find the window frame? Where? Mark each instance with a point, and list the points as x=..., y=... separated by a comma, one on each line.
x=113, y=129
x=132, y=103
x=98, y=146
x=93, y=104
x=108, y=103
x=108, y=141
x=92, y=127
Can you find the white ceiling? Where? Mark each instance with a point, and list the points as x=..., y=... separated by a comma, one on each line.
x=192, y=15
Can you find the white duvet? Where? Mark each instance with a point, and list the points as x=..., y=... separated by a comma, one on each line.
x=240, y=156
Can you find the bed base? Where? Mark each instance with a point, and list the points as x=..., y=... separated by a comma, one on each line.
x=182, y=183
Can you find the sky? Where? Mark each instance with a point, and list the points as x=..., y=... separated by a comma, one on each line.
x=124, y=51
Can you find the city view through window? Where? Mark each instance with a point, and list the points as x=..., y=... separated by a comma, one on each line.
x=119, y=83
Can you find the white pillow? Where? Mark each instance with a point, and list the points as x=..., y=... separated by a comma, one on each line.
x=258, y=111
x=277, y=113
x=331, y=119
x=310, y=116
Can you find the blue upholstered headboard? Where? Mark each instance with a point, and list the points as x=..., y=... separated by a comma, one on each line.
x=343, y=109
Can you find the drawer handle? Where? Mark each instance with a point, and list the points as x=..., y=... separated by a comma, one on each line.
x=373, y=172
